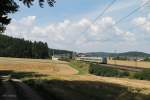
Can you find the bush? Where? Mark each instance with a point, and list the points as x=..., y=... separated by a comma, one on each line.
x=143, y=75
x=65, y=59
x=106, y=71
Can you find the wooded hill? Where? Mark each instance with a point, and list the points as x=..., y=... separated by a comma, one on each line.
x=14, y=47
x=125, y=54
x=59, y=52
x=20, y=48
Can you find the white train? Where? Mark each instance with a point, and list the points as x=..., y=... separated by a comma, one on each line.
x=102, y=60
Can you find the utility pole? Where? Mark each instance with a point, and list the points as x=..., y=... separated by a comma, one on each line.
x=136, y=60
x=53, y=52
x=115, y=60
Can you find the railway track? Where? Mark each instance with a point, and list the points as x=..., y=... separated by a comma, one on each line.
x=122, y=67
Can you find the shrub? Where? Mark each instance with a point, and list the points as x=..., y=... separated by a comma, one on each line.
x=143, y=75
x=65, y=59
x=106, y=71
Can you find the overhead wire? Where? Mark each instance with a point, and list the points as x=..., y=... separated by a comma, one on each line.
x=99, y=16
x=123, y=18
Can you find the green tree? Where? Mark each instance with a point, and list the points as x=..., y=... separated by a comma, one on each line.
x=14, y=47
x=6, y=7
x=10, y=7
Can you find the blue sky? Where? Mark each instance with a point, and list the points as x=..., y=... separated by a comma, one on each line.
x=62, y=26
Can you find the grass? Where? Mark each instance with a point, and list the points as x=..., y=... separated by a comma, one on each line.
x=143, y=75
x=107, y=71
x=58, y=81
x=83, y=90
x=42, y=67
x=82, y=67
x=89, y=68
x=113, y=72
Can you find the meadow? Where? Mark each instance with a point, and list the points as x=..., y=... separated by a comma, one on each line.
x=59, y=80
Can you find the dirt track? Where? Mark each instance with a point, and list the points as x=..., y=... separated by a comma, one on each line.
x=16, y=90
x=10, y=93
x=25, y=91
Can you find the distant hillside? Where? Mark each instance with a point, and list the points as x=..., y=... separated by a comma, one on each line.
x=134, y=54
x=126, y=54
x=95, y=54
x=59, y=52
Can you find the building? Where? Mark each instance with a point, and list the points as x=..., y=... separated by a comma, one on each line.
x=61, y=56
x=55, y=58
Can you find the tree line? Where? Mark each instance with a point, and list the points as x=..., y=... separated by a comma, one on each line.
x=20, y=48
x=59, y=52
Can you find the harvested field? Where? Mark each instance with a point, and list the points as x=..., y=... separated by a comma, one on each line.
x=26, y=69
x=45, y=67
x=138, y=64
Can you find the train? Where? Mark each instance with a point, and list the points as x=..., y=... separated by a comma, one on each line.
x=101, y=60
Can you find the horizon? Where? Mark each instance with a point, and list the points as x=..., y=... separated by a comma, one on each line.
x=74, y=49
x=86, y=52
x=63, y=28
x=118, y=52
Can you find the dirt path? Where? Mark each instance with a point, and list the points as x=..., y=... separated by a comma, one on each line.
x=27, y=92
x=10, y=93
x=17, y=90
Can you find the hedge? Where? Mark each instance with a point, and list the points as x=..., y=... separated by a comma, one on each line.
x=107, y=71
x=143, y=75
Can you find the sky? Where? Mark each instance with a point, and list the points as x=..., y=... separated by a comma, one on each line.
x=69, y=25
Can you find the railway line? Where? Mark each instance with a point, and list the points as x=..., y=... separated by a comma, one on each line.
x=103, y=61
x=122, y=67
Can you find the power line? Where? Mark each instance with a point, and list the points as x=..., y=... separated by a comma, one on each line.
x=131, y=13
x=123, y=18
x=100, y=15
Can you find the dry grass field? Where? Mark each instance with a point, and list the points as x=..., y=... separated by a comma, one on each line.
x=45, y=67
x=62, y=71
x=140, y=64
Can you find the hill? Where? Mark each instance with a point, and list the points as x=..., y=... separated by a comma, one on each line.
x=60, y=52
x=135, y=54
x=125, y=54
x=20, y=48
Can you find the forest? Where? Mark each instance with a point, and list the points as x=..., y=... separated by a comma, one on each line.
x=20, y=48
